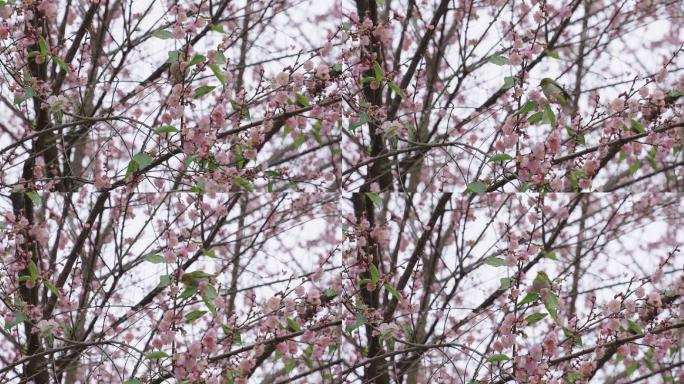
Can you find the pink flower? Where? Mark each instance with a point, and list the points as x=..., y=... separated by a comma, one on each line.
x=550, y=343
x=272, y=304
x=209, y=340
x=613, y=307
x=640, y=292
x=323, y=72
x=553, y=144
x=654, y=298
x=515, y=58
x=40, y=233
x=282, y=348
x=195, y=348
x=246, y=365
x=281, y=79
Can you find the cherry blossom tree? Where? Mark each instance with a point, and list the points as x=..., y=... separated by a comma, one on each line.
x=341, y=191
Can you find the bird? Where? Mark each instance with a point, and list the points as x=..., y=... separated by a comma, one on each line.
x=555, y=94
x=176, y=73
x=193, y=279
x=540, y=282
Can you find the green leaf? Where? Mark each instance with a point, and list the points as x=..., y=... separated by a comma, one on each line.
x=220, y=58
x=28, y=94
x=535, y=317
x=576, y=340
x=495, y=261
x=188, y=292
x=498, y=59
x=634, y=327
x=505, y=283
x=43, y=46
x=246, y=185
x=299, y=140
x=19, y=318
x=301, y=100
x=553, y=54
x=173, y=57
x=164, y=281
x=634, y=167
x=509, y=82
x=156, y=355
x=632, y=367
x=154, y=258
x=166, y=129
x=33, y=270
x=217, y=28
x=394, y=87
x=360, y=320
x=651, y=158
x=238, y=156
x=162, y=34
x=367, y=79
x=549, y=116
x=203, y=90
x=393, y=291
x=194, y=315
x=529, y=298
x=378, y=72
x=675, y=93
x=574, y=376
x=196, y=60
x=52, y=288
x=142, y=160
x=476, y=187
x=242, y=110
x=497, y=358
x=209, y=253
x=293, y=325
x=211, y=293
x=316, y=132
x=647, y=359
x=500, y=157
x=550, y=255
x=529, y=106
x=374, y=197
x=132, y=381
x=363, y=119
x=637, y=126
x=61, y=63
x=199, y=187
x=551, y=304
x=208, y=301
x=188, y=160
x=290, y=365
x=375, y=276
x=536, y=118
x=34, y=197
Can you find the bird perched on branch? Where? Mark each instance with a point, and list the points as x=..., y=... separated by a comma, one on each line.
x=540, y=282
x=557, y=95
x=192, y=279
